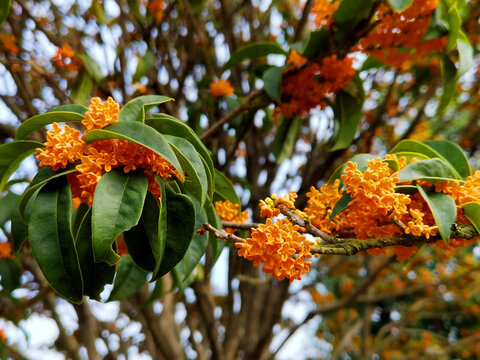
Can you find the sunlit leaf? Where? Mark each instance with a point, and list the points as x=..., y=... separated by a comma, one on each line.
x=136, y=109
x=253, y=51
x=47, y=118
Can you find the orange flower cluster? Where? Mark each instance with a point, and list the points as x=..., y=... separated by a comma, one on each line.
x=398, y=38
x=320, y=205
x=221, y=88
x=65, y=58
x=281, y=249
x=100, y=156
x=229, y=211
x=8, y=43
x=323, y=10
x=3, y=338
x=155, y=8
x=307, y=88
x=5, y=250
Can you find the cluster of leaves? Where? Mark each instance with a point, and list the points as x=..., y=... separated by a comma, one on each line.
x=73, y=247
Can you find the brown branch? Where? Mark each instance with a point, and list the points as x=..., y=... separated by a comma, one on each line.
x=303, y=20
x=244, y=106
x=14, y=353
x=240, y=226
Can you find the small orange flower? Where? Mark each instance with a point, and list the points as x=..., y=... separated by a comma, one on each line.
x=228, y=211
x=100, y=115
x=65, y=58
x=323, y=10
x=3, y=338
x=8, y=42
x=5, y=250
x=156, y=8
x=221, y=88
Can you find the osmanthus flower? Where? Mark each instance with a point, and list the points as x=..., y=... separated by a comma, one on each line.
x=156, y=8
x=93, y=160
x=8, y=42
x=398, y=39
x=221, y=88
x=229, y=211
x=65, y=58
x=323, y=10
x=5, y=250
x=280, y=248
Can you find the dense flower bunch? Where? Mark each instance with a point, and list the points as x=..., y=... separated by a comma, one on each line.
x=221, y=88
x=66, y=145
x=307, y=88
x=229, y=211
x=65, y=58
x=398, y=39
x=280, y=248
x=8, y=43
x=323, y=10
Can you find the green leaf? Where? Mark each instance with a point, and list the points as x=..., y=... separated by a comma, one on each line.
x=19, y=230
x=76, y=108
x=8, y=205
x=130, y=277
x=224, y=189
x=341, y=205
x=449, y=76
x=196, y=181
x=360, y=159
x=180, y=229
x=95, y=275
x=348, y=15
x=472, y=212
x=10, y=274
x=414, y=146
x=286, y=137
x=92, y=67
x=253, y=51
x=272, y=82
x=399, y=5
x=117, y=206
x=82, y=88
x=371, y=63
x=167, y=124
x=465, y=54
x=453, y=154
x=145, y=64
x=135, y=109
x=432, y=170
x=49, y=117
x=51, y=240
x=157, y=292
x=138, y=133
x=349, y=112
x=194, y=253
x=4, y=10
x=454, y=25
x=318, y=42
x=11, y=156
x=44, y=175
x=443, y=209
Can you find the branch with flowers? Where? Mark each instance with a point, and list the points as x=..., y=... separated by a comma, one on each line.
x=419, y=193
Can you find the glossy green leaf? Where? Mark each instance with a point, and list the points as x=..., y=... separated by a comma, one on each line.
x=272, y=82
x=341, y=205
x=52, y=242
x=130, y=277
x=181, y=221
x=453, y=154
x=169, y=125
x=429, y=170
x=117, y=207
x=449, y=86
x=92, y=67
x=348, y=112
x=454, y=24
x=11, y=156
x=139, y=248
x=348, y=15
x=82, y=88
x=317, y=43
x=399, y=5
x=139, y=133
x=196, y=181
x=157, y=292
x=194, y=253
x=371, y=63
x=224, y=189
x=145, y=64
x=136, y=109
x=443, y=209
x=472, y=212
x=10, y=274
x=19, y=230
x=43, y=175
x=95, y=275
x=4, y=10
x=39, y=121
x=253, y=51
x=285, y=138
x=8, y=204
x=76, y=108
x=413, y=146
x=216, y=244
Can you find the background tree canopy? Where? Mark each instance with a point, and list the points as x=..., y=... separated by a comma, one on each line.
x=142, y=143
